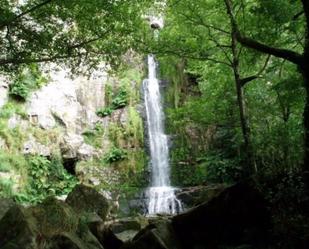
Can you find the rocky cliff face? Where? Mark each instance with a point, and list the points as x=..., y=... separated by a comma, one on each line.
x=61, y=118
x=71, y=103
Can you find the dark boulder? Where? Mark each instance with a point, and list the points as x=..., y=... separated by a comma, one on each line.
x=87, y=201
x=155, y=236
x=193, y=196
x=237, y=216
x=72, y=241
x=5, y=205
x=18, y=229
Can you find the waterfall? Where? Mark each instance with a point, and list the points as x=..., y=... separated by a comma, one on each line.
x=161, y=195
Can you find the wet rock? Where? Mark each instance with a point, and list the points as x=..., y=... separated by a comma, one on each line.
x=86, y=200
x=237, y=216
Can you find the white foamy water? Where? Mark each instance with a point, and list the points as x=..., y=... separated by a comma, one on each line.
x=161, y=195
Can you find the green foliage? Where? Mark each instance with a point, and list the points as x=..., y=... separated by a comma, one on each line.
x=94, y=137
x=28, y=79
x=103, y=112
x=12, y=107
x=47, y=178
x=135, y=128
x=83, y=32
x=220, y=169
x=119, y=101
x=6, y=188
x=115, y=155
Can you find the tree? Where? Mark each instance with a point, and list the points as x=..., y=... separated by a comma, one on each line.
x=201, y=30
x=75, y=32
x=301, y=60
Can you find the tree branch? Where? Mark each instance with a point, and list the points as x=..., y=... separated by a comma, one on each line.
x=33, y=60
x=246, y=80
x=6, y=23
x=289, y=55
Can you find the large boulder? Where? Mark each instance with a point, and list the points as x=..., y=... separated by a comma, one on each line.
x=51, y=224
x=5, y=205
x=159, y=235
x=193, y=196
x=83, y=239
x=73, y=147
x=238, y=216
x=87, y=201
x=18, y=229
x=55, y=217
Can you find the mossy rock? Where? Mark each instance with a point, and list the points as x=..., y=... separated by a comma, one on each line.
x=86, y=201
x=55, y=217
x=5, y=205
x=72, y=241
x=18, y=229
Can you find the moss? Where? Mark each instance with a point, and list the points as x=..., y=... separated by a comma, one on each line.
x=6, y=188
x=55, y=217
x=135, y=127
x=13, y=107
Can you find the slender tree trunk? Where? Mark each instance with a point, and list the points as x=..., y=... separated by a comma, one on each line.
x=301, y=60
x=249, y=169
x=305, y=73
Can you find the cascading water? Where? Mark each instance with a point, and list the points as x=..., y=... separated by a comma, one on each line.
x=161, y=195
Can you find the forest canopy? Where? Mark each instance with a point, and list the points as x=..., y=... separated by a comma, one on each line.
x=75, y=32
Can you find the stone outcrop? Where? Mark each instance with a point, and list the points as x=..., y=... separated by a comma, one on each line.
x=87, y=201
x=74, y=147
x=51, y=224
x=32, y=147
x=193, y=196
x=160, y=235
x=67, y=102
x=5, y=205
x=237, y=216
x=4, y=88
x=18, y=229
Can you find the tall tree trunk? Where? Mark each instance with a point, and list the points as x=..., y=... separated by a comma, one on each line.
x=305, y=73
x=301, y=60
x=249, y=169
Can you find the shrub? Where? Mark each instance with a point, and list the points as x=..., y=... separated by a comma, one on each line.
x=115, y=154
x=103, y=112
x=47, y=178
x=28, y=79
x=6, y=186
x=121, y=99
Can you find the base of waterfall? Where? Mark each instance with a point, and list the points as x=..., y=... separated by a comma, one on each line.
x=162, y=200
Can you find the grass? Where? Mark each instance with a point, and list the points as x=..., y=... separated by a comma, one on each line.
x=6, y=188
